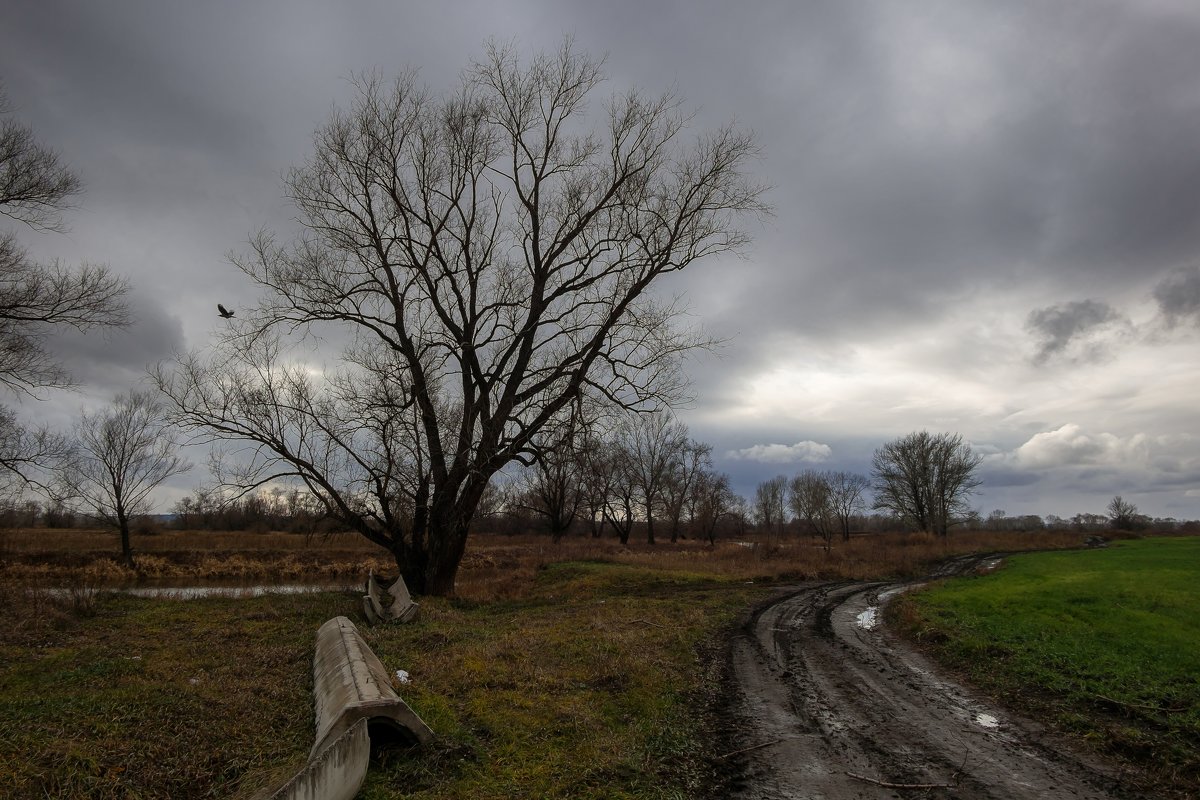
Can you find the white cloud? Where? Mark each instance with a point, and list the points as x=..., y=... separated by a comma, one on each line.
x=1070, y=445
x=812, y=452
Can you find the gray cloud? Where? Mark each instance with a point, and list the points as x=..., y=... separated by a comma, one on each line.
x=109, y=362
x=1178, y=296
x=939, y=167
x=1059, y=326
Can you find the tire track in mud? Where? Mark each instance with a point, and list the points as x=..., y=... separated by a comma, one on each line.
x=822, y=691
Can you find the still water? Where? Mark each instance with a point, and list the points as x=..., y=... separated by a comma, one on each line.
x=197, y=590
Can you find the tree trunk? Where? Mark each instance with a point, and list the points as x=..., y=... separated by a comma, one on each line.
x=433, y=570
x=429, y=561
x=126, y=549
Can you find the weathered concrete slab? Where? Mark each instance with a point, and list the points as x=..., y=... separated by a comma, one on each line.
x=350, y=683
x=337, y=773
x=388, y=601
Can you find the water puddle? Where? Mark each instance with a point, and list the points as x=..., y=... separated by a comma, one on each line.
x=200, y=592
x=869, y=618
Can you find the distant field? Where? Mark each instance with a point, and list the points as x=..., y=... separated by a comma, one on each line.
x=495, y=566
x=1106, y=643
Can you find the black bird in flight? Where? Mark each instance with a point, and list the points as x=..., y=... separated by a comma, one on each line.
x=224, y=312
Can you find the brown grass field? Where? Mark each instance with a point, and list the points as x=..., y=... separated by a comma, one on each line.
x=583, y=669
x=495, y=567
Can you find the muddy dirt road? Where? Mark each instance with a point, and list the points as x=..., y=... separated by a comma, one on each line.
x=825, y=694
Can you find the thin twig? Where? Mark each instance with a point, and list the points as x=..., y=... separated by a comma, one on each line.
x=646, y=622
x=958, y=772
x=753, y=747
x=888, y=785
x=1142, y=705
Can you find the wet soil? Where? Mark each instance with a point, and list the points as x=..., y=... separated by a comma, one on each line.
x=825, y=703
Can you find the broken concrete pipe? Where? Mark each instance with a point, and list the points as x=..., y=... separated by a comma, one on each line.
x=388, y=601
x=355, y=702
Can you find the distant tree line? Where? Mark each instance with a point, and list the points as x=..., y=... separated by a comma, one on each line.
x=632, y=475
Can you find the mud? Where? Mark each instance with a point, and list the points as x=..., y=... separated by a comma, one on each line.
x=825, y=703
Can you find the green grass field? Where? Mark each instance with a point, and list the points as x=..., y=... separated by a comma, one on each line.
x=1104, y=642
x=591, y=685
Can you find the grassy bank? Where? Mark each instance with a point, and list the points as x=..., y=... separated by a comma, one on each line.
x=569, y=670
x=589, y=686
x=1104, y=643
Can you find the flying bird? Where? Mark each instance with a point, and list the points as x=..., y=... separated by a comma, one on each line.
x=224, y=312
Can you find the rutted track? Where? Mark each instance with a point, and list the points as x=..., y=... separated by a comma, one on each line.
x=822, y=693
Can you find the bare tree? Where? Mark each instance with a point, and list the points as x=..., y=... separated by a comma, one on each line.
x=599, y=474
x=123, y=454
x=769, y=501
x=620, y=489
x=655, y=444
x=491, y=254
x=679, y=489
x=35, y=188
x=1122, y=514
x=28, y=457
x=714, y=500
x=811, y=501
x=553, y=486
x=846, y=497
x=925, y=479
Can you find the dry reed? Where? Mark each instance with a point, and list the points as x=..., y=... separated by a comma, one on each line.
x=495, y=567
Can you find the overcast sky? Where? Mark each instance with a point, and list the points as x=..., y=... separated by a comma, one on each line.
x=987, y=214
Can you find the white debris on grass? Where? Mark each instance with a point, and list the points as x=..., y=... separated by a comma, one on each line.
x=402, y=677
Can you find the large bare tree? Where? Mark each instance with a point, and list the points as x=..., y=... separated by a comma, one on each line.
x=35, y=188
x=491, y=253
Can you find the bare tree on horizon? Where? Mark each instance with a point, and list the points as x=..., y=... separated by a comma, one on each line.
x=121, y=455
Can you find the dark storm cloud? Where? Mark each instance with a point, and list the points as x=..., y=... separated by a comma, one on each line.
x=1056, y=327
x=1050, y=143
x=1178, y=296
x=113, y=361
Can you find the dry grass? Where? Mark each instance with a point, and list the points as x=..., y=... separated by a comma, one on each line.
x=543, y=678
x=495, y=567
x=503, y=568
x=47, y=540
